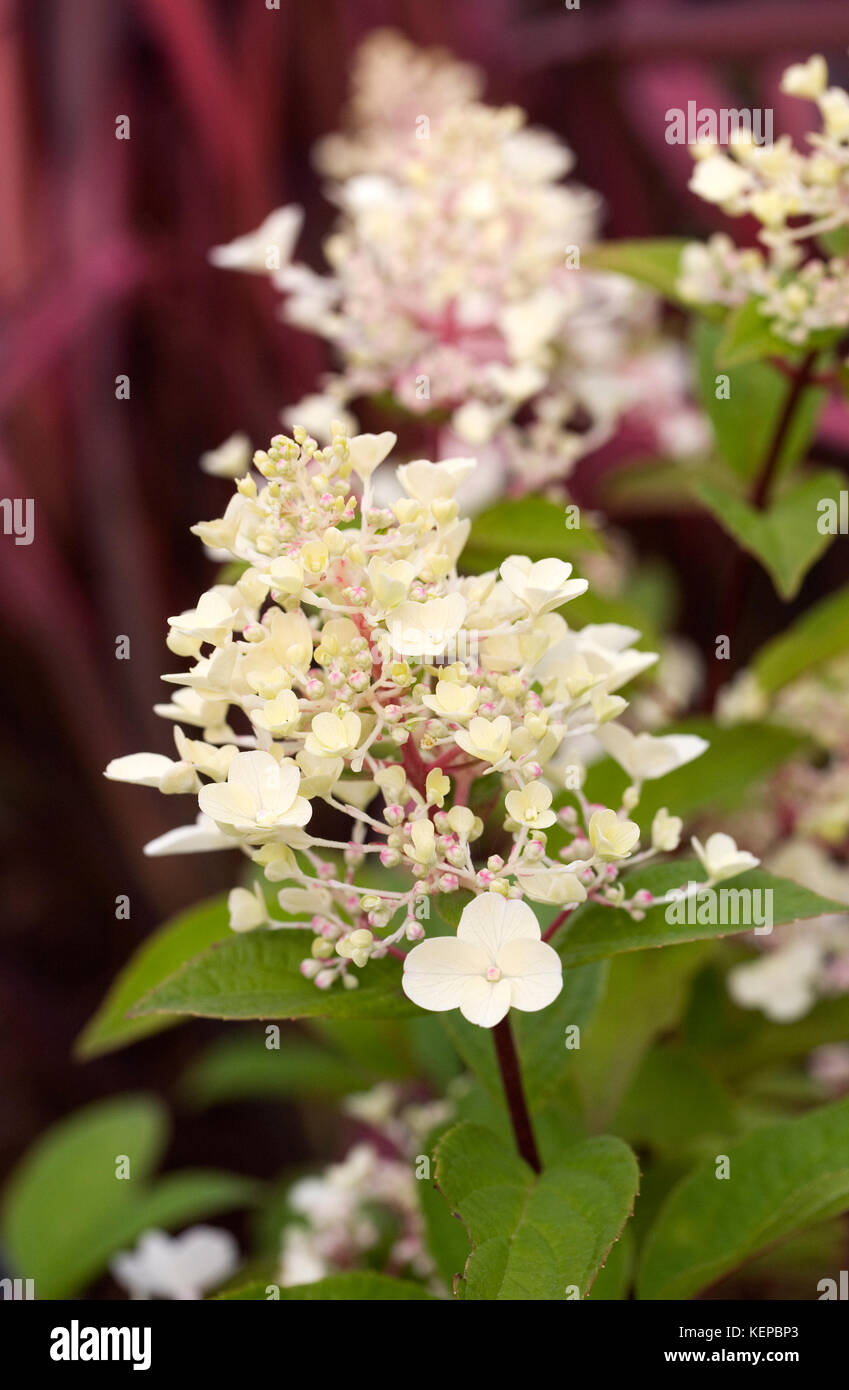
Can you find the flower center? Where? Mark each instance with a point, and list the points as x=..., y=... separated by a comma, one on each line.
x=493, y=974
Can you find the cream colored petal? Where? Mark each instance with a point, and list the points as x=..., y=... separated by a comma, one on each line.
x=143, y=769
x=437, y=971
x=491, y=920
x=256, y=773
x=484, y=1003
x=534, y=972
x=227, y=805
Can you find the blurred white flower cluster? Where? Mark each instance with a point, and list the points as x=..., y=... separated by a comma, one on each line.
x=351, y=668
x=366, y=1208
x=455, y=291
x=183, y=1267
x=799, y=823
x=797, y=198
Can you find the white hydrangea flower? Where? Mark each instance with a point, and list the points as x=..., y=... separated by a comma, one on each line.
x=782, y=983
x=496, y=962
x=541, y=585
x=721, y=858
x=181, y=1267
x=798, y=198
x=259, y=798
x=612, y=837
x=301, y=653
x=647, y=756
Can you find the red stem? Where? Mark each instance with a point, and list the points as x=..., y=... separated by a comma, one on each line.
x=511, y=1078
x=558, y=922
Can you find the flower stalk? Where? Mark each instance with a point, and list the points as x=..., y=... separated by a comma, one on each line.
x=511, y=1079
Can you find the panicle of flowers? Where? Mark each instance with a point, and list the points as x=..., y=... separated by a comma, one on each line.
x=455, y=290
x=351, y=667
x=797, y=197
x=393, y=85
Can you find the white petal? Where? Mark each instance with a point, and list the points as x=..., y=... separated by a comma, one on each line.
x=484, y=1003
x=490, y=920
x=144, y=769
x=437, y=971
x=534, y=972
x=258, y=773
x=227, y=805
x=200, y=838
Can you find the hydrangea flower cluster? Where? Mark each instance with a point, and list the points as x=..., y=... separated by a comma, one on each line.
x=351, y=668
x=367, y=1203
x=797, y=198
x=800, y=826
x=455, y=290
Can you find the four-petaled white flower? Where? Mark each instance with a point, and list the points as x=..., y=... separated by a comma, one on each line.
x=425, y=629
x=540, y=585
x=333, y=735
x=530, y=806
x=611, y=837
x=646, y=756
x=180, y=1267
x=451, y=700
x=430, y=482
x=486, y=739
x=496, y=962
x=721, y=857
x=259, y=796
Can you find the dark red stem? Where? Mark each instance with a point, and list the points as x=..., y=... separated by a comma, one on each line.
x=511, y=1079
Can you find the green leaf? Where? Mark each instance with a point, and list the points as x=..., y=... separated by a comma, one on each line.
x=257, y=976
x=673, y=1099
x=816, y=637
x=445, y=1235
x=66, y=1212
x=655, y=263
x=746, y=422
x=747, y=337
x=243, y=1068
x=527, y=525
x=535, y=1237
x=614, y=1278
x=785, y=538
x=183, y=1197
x=158, y=957
x=595, y=931
x=338, y=1288
x=782, y=1178
x=646, y=995
x=720, y=780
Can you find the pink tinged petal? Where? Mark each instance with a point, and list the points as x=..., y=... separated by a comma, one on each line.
x=534, y=973
x=491, y=920
x=438, y=970
x=484, y=1003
